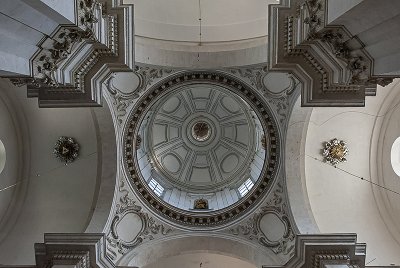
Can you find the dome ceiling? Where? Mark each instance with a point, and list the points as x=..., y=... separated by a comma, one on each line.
x=202, y=138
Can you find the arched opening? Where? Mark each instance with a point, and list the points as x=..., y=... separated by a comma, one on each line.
x=394, y=156
x=201, y=259
x=2, y=156
x=211, y=251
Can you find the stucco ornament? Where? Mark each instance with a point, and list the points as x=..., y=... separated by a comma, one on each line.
x=270, y=225
x=131, y=227
x=66, y=149
x=335, y=151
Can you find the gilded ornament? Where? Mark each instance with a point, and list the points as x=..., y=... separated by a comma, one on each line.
x=201, y=203
x=335, y=151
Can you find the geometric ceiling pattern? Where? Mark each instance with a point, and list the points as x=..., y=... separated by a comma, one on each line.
x=220, y=156
x=208, y=156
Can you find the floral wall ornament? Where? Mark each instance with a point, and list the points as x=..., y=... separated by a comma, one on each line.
x=66, y=149
x=335, y=151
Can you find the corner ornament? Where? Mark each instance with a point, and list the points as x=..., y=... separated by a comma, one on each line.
x=258, y=226
x=335, y=151
x=143, y=228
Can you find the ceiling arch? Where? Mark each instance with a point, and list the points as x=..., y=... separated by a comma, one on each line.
x=221, y=20
x=385, y=136
x=195, y=244
x=3, y=156
x=339, y=200
x=203, y=259
x=50, y=196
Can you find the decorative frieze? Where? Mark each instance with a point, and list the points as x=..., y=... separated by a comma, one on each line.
x=149, y=75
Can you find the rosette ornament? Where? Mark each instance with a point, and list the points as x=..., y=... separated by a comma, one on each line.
x=66, y=149
x=335, y=151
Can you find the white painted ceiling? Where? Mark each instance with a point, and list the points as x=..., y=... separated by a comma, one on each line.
x=340, y=200
x=38, y=192
x=222, y=20
x=200, y=260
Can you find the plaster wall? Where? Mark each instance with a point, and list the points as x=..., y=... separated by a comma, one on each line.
x=59, y=197
x=336, y=8
x=374, y=23
x=193, y=55
x=340, y=201
x=204, y=260
x=23, y=25
x=233, y=33
x=383, y=160
x=295, y=177
x=221, y=20
x=10, y=136
x=200, y=246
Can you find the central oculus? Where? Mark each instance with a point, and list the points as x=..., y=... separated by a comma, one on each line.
x=201, y=131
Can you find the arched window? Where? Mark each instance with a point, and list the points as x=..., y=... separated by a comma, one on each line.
x=245, y=187
x=2, y=156
x=395, y=156
x=156, y=187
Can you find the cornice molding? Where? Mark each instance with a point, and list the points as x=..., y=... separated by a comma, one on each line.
x=80, y=250
x=333, y=65
x=314, y=251
x=63, y=67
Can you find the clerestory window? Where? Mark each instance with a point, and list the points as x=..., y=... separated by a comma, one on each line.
x=245, y=187
x=156, y=187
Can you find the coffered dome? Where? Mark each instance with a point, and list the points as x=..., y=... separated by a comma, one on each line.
x=197, y=144
x=202, y=138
